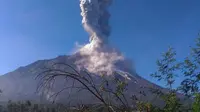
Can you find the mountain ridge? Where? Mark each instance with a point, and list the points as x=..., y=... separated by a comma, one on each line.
x=21, y=84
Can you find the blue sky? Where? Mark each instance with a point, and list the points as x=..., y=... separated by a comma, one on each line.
x=32, y=30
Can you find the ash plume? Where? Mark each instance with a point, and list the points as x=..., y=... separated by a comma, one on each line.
x=96, y=19
x=97, y=56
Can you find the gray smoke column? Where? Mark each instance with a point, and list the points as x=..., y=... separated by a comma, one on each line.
x=98, y=56
x=96, y=19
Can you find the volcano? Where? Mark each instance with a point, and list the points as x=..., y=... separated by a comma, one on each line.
x=22, y=84
x=96, y=57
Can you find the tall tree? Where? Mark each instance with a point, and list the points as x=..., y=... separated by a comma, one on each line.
x=191, y=70
x=167, y=72
x=167, y=68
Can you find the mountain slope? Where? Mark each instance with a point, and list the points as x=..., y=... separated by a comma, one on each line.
x=22, y=85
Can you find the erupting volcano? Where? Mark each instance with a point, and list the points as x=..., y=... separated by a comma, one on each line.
x=97, y=57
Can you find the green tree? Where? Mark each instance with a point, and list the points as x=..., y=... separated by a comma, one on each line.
x=172, y=103
x=191, y=66
x=196, y=104
x=167, y=72
x=167, y=68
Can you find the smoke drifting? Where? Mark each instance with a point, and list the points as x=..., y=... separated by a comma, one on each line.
x=97, y=56
x=96, y=19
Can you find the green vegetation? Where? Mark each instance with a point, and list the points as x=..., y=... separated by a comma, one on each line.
x=168, y=70
x=196, y=104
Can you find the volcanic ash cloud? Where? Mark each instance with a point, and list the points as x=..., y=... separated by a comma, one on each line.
x=97, y=56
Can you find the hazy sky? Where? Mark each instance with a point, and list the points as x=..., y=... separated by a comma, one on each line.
x=32, y=30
